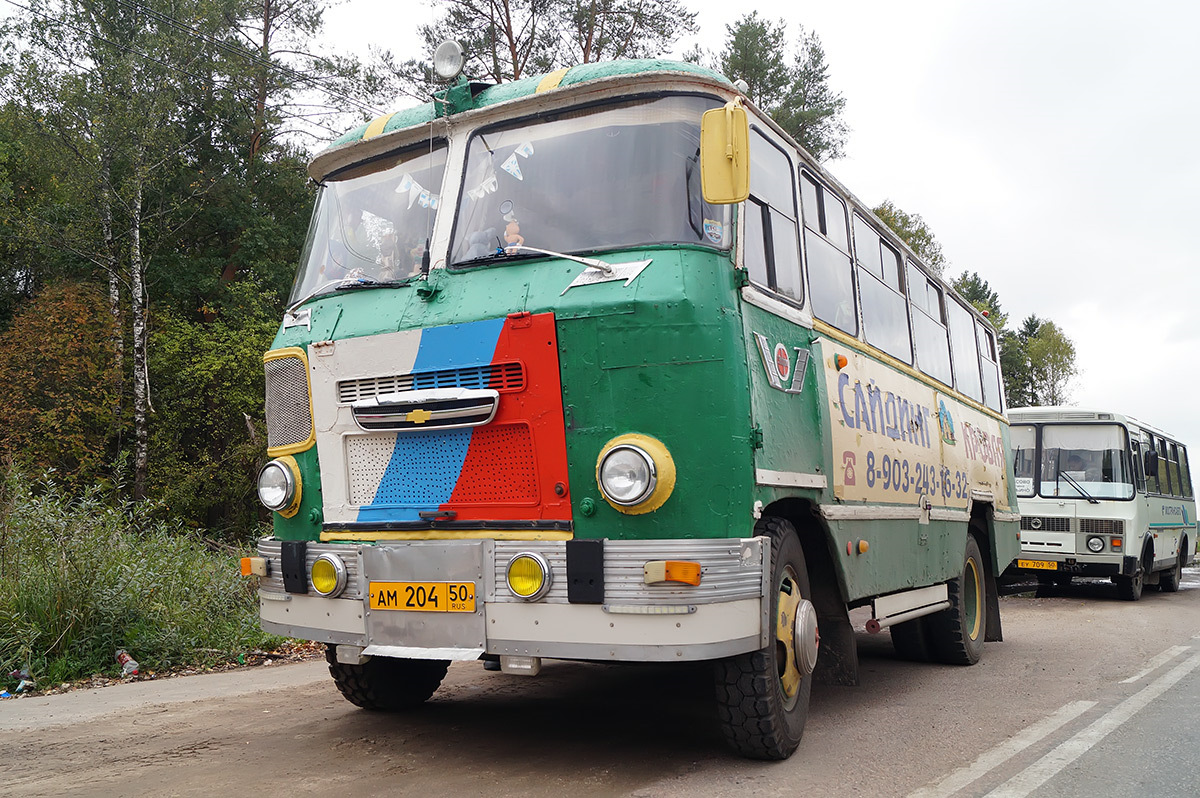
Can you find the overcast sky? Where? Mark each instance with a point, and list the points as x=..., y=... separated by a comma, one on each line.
x=1054, y=148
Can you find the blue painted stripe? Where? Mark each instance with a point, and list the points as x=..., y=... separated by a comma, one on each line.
x=425, y=466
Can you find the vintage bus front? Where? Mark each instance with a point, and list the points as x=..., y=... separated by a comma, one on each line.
x=1093, y=503
x=508, y=405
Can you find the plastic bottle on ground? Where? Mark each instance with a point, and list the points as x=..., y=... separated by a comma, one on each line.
x=129, y=666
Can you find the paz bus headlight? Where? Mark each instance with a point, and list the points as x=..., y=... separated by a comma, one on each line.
x=279, y=486
x=636, y=474
x=1095, y=544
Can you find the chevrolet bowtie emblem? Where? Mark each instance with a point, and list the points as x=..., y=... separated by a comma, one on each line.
x=418, y=416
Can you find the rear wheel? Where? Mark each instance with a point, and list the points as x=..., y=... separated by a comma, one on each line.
x=386, y=683
x=956, y=633
x=1168, y=581
x=762, y=696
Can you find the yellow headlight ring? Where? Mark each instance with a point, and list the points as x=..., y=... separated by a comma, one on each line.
x=290, y=463
x=664, y=466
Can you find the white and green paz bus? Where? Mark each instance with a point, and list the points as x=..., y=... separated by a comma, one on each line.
x=1101, y=494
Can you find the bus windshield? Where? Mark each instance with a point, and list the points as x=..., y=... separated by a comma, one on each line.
x=591, y=179
x=372, y=222
x=1085, y=460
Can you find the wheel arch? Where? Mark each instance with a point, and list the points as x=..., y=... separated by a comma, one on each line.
x=982, y=527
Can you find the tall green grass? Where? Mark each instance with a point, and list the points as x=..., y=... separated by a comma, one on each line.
x=83, y=576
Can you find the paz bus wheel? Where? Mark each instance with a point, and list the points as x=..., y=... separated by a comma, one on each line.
x=1168, y=581
x=1130, y=587
x=956, y=633
x=385, y=683
x=762, y=696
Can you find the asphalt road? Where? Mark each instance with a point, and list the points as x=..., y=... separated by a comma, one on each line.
x=1088, y=696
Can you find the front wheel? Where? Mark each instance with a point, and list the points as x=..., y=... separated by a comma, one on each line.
x=1130, y=587
x=386, y=684
x=762, y=696
x=956, y=633
x=1168, y=581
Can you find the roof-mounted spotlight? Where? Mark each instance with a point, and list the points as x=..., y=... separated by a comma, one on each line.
x=449, y=60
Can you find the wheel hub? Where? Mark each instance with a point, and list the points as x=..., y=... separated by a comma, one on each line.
x=806, y=638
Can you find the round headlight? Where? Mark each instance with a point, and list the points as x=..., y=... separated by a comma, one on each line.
x=276, y=486
x=529, y=576
x=627, y=475
x=328, y=575
x=448, y=60
x=1095, y=544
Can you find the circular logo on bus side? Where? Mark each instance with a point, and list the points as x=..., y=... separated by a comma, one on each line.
x=782, y=362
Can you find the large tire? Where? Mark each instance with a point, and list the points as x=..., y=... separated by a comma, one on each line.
x=762, y=696
x=910, y=640
x=1168, y=581
x=956, y=633
x=1130, y=587
x=386, y=684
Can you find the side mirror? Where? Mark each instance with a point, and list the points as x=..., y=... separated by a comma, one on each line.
x=1150, y=461
x=725, y=154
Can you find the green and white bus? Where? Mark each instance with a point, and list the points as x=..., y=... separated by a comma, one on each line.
x=548, y=388
x=1104, y=495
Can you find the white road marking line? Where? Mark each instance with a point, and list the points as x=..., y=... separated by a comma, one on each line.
x=1052, y=763
x=997, y=756
x=1156, y=663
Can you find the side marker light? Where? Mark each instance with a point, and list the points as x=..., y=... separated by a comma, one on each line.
x=687, y=573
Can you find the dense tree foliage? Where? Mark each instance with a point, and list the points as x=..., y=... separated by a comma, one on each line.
x=153, y=200
x=795, y=93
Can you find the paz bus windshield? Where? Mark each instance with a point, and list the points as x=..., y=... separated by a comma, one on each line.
x=1076, y=461
x=588, y=179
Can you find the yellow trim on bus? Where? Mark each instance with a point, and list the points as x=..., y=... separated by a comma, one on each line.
x=449, y=534
x=308, y=443
x=377, y=125
x=829, y=331
x=551, y=80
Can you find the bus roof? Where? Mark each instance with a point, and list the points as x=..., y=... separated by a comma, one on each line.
x=1064, y=414
x=483, y=95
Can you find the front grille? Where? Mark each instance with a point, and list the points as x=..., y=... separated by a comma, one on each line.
x=1101, y=526
x=441, y=408
x=1038, y=523
x=502, y=377
x=289, y=418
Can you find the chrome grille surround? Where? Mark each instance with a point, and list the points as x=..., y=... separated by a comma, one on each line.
x=1040, y=523
x=437, y=408
x=1101, y=526
x=272, y=550
x=502, y=377
x=731, y=569
x=288, y=411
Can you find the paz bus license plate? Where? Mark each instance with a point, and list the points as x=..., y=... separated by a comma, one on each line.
x=423, y=596
x=1037, y=565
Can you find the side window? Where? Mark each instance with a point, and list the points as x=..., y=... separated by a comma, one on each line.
x=962, y=347
x=1164, y=469
x=884, y=309
x=1173, y=457
x=1185, y=474
x=826, y=242
x=772, y=247
x=989, y=365
x=929, y=325
x=1152, y=480
x=1139, y=474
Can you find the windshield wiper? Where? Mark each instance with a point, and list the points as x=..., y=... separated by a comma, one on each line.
x=1070, y=479
x=498, y=254
x=342, y=284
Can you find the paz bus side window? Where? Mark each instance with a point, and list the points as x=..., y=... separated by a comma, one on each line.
x=772, y=247
x=827, y=248
x=1164, y=470
x=1173, y=467
x=881, y=288
x=1152, y=482
x=1139, y=473
x=988, y=364
x=929, y=325
x=963, y=349
x=1185, y=474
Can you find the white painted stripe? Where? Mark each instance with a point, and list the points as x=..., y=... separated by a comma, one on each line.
x=789, y=479
x=1003, y=752
x=856, y=512
x=1156, y=663
x=1053, y=763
